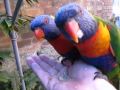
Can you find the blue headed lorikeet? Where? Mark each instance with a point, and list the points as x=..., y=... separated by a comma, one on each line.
x=94, y=37
x=44, y=26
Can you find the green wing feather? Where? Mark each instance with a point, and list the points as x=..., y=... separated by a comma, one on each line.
x=115, y=43
x=115, y=37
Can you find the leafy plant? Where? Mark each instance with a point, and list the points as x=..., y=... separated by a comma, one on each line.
x=6, y=24
x=6, y=21
x=5, y=86
x=31, y=80
x=5, y=81
x=4, y=77
x=30, y=2
x=4, y=54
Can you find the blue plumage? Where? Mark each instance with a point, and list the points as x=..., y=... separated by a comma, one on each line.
x=47, y=24
x=105, y=63
x=74, y=11
x=88, y=26
x=66, y=12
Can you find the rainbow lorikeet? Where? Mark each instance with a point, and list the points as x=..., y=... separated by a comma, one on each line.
x=98, y=42
x=44, y=26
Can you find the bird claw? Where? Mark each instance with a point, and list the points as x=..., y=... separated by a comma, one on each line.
x=66, y=62
x=100, y=75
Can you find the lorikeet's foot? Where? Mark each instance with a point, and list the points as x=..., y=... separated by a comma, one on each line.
x=67, y=62
x=100, y=75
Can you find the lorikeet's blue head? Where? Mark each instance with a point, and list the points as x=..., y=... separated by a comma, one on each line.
x=75, y=22
x=44, y=27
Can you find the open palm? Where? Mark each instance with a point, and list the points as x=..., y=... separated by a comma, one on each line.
x=55, y=76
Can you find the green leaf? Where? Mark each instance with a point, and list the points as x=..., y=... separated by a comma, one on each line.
x=21, y=21
x=30, y=2
x=20, y=24
x=8, y=23
x=5, y=26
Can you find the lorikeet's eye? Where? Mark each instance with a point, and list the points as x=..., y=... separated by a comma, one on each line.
x=46, y=21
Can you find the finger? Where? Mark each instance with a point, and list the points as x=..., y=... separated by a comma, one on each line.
x=43, y=76
x=62, y=70
x=52, y=71
x=52, y=62
x=102, y=84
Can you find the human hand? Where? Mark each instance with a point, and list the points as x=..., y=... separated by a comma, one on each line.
x=55, y=76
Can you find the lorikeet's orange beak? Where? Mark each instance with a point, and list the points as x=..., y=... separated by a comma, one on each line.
x=72, y=28
x=39, y=33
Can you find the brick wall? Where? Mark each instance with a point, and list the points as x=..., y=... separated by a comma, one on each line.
x=26, y=39
x=44, y=6
x=102, y=8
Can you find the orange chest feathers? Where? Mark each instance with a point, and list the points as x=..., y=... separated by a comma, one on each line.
x=97, y=45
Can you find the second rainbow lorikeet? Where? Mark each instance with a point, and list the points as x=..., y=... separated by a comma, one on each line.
x=97, y=41
x=44, y=26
